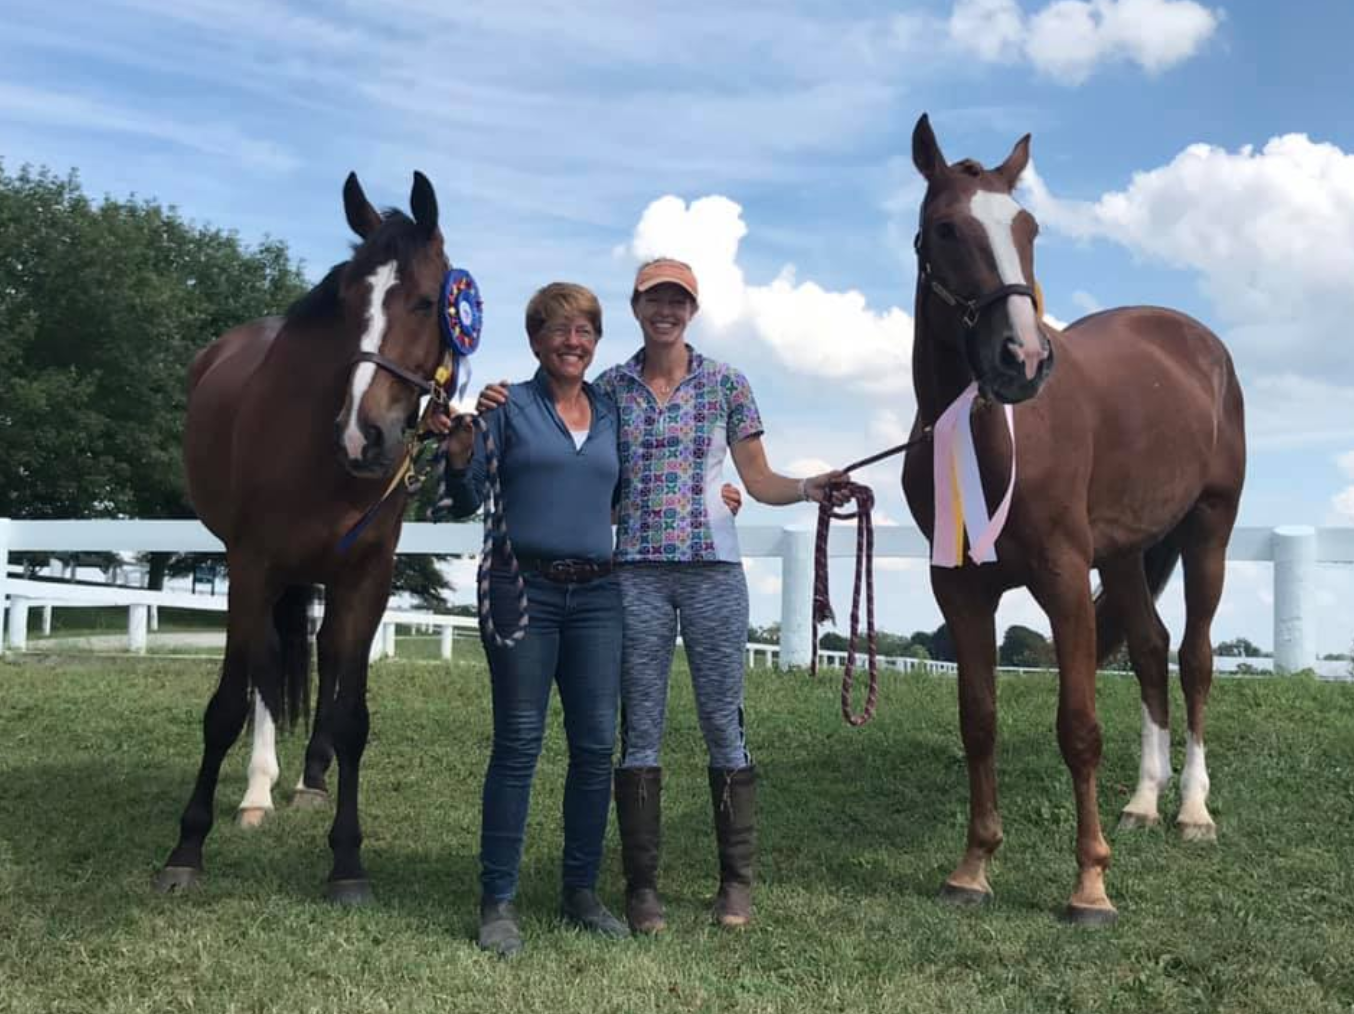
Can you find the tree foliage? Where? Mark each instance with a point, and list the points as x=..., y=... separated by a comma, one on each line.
x=1238, y=647
x=102, y=307
x=1025, y=648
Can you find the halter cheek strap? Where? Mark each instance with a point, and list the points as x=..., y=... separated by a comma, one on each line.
x=974, y=308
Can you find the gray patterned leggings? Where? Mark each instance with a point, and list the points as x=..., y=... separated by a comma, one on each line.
x=709, y=602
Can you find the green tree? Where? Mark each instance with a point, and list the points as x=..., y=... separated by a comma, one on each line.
x=1238, y=647
x=102, y=307
x=1023, y=647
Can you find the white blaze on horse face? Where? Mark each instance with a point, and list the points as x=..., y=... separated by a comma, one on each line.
x=997, y=213
x=382, y=280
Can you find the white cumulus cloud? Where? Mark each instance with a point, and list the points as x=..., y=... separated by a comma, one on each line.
x=1069, y=39
x=810, y=330
x=1269, y=234
x=1343, y=501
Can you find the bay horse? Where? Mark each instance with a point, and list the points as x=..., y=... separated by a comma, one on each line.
x=295, y=426
x=1128, y=432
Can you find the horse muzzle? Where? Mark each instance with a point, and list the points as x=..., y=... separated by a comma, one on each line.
x=1003, y=367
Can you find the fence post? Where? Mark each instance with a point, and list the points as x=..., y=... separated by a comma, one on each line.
x=4, y=576
x=446, y=642
x=18, y=624
x=388, y=636
x=136, y=628
x=796, y=597
x=46, y=621
x=1294, y=595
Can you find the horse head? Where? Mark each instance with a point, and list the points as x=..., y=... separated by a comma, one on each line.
x=975, y=251
x=390, y=292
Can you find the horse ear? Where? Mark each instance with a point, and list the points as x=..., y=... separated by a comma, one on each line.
x=424, y=204
x=362, y=217
x=1015, y=163
x=926, y=154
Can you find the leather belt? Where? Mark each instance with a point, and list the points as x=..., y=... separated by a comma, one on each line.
x=565, y=571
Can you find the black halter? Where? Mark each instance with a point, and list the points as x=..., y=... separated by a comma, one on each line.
x=973, y=308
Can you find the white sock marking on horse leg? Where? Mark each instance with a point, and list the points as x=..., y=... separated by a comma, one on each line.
x=997, y=212
x=1154, y=769
x=381, y=281
x=263, y=769
x=1194, y=785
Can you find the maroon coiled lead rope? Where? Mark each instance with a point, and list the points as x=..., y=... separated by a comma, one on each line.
x=822, y=603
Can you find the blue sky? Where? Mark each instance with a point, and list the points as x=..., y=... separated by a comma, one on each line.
x=1195, y=155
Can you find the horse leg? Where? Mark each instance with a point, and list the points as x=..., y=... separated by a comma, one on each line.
x=1127, y=592
x=312, y=791
x=263, y=769
x=973, y=628
x=1063, y=591
x=246, y=643
x=288, y=661
x=356, y=610
x=1204, y=556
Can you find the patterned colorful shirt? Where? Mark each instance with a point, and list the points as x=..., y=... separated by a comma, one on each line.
x=672, y=460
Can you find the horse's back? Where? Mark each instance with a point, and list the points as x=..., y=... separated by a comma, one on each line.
x=217, y=380
x=1157, y=391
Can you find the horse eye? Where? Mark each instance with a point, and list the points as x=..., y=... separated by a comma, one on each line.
x=946, y=231
x=424, y=305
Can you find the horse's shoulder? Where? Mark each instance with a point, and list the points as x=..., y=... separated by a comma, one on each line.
x=237, y=344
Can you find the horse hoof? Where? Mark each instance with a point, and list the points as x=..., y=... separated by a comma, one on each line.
x=251, y=817
x=1083, y=915
x=309, y=799
x=1199, y=832
x=349, y=892
x=1134, y=821
x=176, y=879
x=964, y=897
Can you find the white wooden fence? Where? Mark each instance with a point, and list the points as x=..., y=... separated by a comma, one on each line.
x=1295, y=551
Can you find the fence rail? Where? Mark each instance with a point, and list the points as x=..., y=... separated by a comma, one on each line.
x=1294, y=550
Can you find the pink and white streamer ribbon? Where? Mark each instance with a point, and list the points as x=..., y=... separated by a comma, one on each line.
x=960, y=504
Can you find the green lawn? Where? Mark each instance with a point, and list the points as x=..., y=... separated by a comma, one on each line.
x=859, y=828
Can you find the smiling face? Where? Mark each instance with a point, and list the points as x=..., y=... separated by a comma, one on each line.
x=565, y=346
x=663, y=313
x=977, y=243
x=564, y=324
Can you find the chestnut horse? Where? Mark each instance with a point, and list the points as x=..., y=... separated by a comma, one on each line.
x=295, y=426
x=1131, y=456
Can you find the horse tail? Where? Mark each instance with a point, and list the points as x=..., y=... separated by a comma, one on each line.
x=284, y=682
x=1158, y=564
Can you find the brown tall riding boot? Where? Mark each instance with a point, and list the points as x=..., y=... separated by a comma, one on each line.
x=639, y=814
x=733, y=792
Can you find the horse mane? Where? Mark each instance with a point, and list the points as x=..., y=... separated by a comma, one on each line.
x=397, y=238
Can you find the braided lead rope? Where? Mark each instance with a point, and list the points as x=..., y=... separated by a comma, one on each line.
x=496, y=530
x=822, y=604
x=495, y=533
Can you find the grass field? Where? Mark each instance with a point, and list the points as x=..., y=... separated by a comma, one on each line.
x=859, y=828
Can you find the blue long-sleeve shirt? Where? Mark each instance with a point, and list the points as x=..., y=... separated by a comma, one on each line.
x=557, y=497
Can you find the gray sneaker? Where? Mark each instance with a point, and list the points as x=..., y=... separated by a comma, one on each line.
x=499, y=933
x=581, y=907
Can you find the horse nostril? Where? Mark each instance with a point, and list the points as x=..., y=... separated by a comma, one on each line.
x=375, y=438
x=1010, y=355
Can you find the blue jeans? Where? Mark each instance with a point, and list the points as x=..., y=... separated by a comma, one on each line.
x=573, y=639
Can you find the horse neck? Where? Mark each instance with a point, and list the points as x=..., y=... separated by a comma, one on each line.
x=939, y=370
